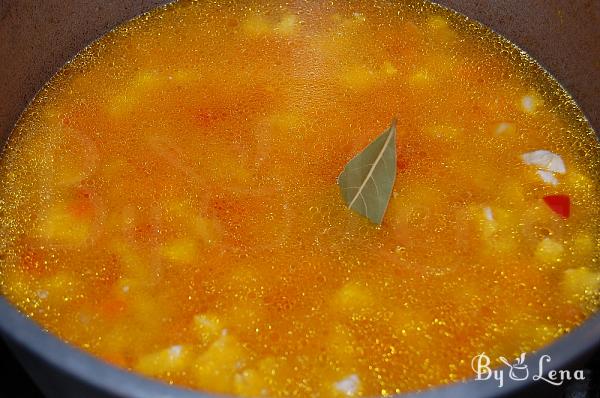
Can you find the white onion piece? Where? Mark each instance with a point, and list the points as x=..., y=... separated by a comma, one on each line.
x=488, y=213
x=545, y=160
x=348, y=386
x=548, y=177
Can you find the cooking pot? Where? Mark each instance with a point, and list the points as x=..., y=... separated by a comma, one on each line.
x=38, y=37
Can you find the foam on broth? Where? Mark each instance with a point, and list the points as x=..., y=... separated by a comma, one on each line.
x=169, y=200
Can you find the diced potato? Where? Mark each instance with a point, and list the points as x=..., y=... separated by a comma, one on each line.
x=285, y=121
x=579, y=182
x=113, y=168
x=147, y=80
x=256, y=25
x=73, y=156
x=51, y=115
x=214, y=369
x=348, y=24
x=484, y=218
x=505, y=218
x=353, y=299
x=245, y=280
x=277, y=372
x=419, y=78
x=342, y=344
x=74, y=160
x=512, y=193
x=244, y=315
x=410, y=322
x=147, y=310
x=497, y=227
x=505, y=244
x=133, y=264
x=271, y=366
x=131, y=95
x=169, y=360
x=186, y=75
x=182, y=250
x=15, y=285
x=249, y=383
x=359, y=17
x=440, y=29
x=358, y=77
x=207, y=328
x=226, y=165
x=412, y=205
x=388, y=68
x=531, y=333
x=581, y=282
x=437, y=22
x=442, y=64
x=120, y=104
x=443, y=131
x=267, y=375
x=178, y=208
x=201, y=226
x=116, y=342
x=119, y=220
x=584, y=245
x=205, y=228
x=287, y=25
x=59, y=225
x=62, y=287
x=549, y=251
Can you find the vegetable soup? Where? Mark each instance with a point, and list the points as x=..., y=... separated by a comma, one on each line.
x=169, y=201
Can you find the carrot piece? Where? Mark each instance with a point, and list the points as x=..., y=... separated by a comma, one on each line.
x=82, y=204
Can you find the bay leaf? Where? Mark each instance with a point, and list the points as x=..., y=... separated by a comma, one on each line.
x=368, y=178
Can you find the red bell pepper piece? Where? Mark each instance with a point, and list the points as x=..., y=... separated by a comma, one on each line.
x=560, y=204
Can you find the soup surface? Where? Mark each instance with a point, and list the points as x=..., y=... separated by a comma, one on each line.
x=169, y=200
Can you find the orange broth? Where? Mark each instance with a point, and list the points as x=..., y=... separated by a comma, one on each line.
x=169, y=200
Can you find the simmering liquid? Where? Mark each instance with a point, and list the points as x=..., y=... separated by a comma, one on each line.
x=168, y=202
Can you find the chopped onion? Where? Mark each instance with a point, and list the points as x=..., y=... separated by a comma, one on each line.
x=548, y=177
x=487, y=212
x=348, y=386
x=545, y=160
